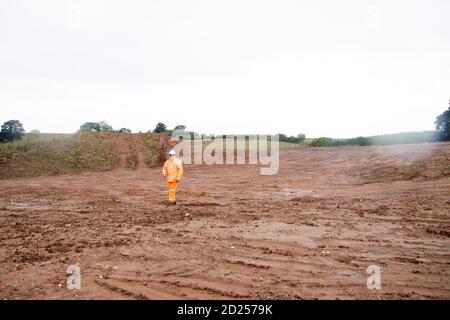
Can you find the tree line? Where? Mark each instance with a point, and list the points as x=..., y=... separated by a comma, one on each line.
x=13, y=130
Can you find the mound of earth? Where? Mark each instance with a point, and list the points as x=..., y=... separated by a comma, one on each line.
x=57, y=154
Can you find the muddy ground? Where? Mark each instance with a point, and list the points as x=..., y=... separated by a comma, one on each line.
x=309, y=232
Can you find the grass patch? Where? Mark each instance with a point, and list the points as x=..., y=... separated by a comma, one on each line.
x=40, y=154
x=132, y=158
x=154, y=156
x=228, y=144
x=91, y=152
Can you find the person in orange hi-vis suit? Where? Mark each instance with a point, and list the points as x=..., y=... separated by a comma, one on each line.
x=173, y=172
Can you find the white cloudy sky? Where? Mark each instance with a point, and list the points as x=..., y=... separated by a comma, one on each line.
x=322, y=67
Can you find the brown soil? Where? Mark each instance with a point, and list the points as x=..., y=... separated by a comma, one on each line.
x=133, y=151
x=309, y=232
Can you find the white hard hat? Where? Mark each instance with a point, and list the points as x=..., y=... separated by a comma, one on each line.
x=172, y=152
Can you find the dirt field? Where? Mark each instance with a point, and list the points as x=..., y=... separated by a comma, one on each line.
x=309, y=232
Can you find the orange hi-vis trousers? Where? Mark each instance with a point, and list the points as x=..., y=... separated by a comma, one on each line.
x=172, y=186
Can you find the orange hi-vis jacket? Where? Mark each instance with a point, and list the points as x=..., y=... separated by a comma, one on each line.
x=173, y=170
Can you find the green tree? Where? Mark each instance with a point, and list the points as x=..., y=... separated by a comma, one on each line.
x=124, y=130
x=160, y=128
x=443, y=125
x=282, y=137
x=90, y=127
x=362, y=141
x=300, y=138
x=180, y=127
x=11, y=130
x=105, y=127
x=101, y=126
x=321, y=142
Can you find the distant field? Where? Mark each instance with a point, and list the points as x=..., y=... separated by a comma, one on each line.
x=404, y=138
x=380, y=140
x=283, y=145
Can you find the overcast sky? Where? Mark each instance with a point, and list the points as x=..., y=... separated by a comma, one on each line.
x=321, y=67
